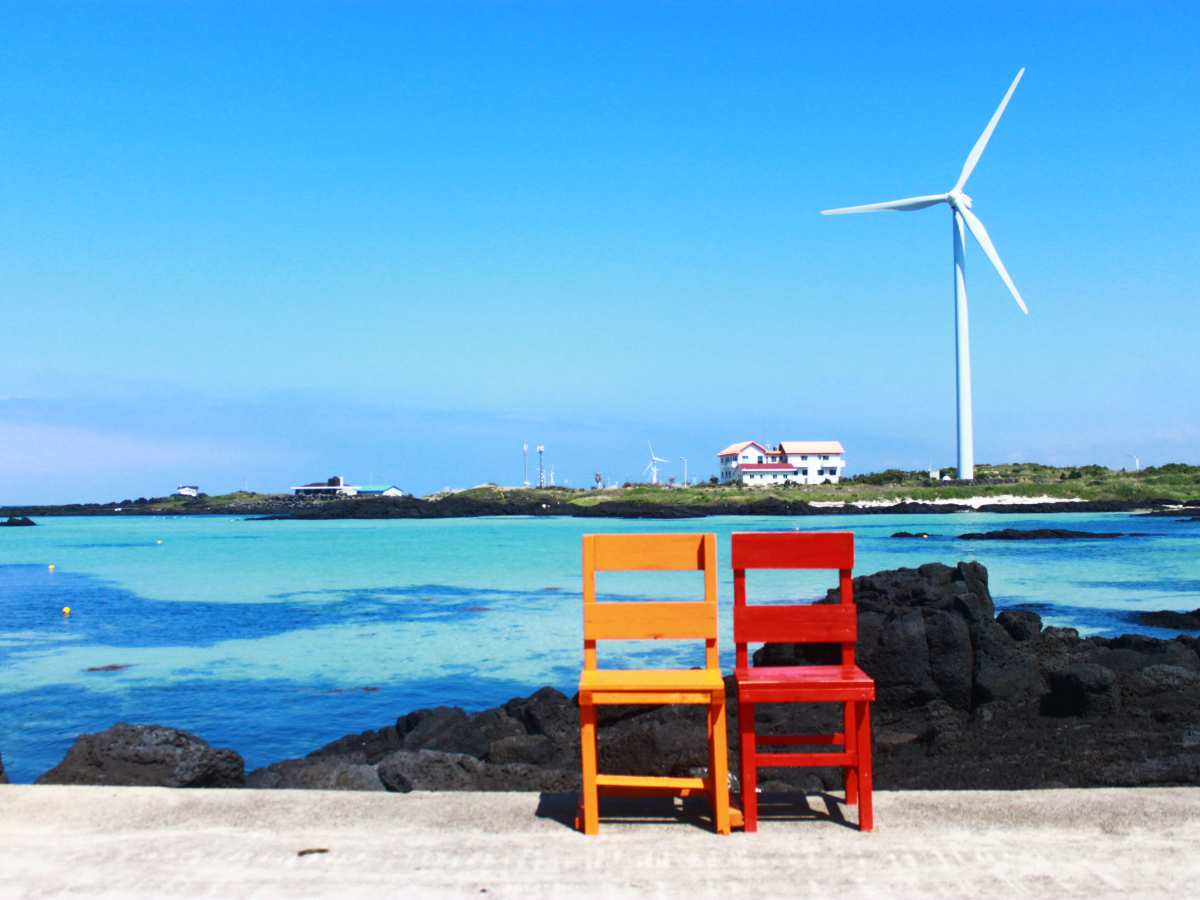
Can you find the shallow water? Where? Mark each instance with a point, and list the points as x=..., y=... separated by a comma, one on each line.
x=274, y=638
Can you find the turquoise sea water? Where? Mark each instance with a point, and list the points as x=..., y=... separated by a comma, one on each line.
x=274, y=638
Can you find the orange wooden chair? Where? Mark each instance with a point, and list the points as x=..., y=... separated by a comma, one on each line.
x=800, y=623
x=650, y=621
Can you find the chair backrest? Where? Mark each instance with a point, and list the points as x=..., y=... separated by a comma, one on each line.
x=649, y=620
x=794, y=623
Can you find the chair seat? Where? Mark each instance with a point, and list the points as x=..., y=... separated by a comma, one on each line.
x=643, y=680
x=763, y=684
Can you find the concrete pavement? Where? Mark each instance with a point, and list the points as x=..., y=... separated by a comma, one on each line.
x=131, y=843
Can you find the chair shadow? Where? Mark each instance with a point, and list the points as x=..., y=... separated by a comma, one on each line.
x=561, y=808
x=797, y=807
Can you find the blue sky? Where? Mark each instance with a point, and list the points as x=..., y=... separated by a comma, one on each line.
x=269, y=243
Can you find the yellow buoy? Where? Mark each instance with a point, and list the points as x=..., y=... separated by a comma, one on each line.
x=52, y=568
x=160, y=542
x=66, y=610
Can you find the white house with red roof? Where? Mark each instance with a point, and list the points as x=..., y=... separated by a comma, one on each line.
x=798, y=462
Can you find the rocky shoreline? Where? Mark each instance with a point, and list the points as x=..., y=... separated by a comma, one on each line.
x=458, y=506
x=462, y=507
x=967, y=699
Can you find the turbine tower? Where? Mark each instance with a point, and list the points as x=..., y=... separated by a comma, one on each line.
x=960, y=206
x=652, y=468
x=541, y=467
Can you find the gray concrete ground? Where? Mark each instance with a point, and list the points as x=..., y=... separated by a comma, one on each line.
x=132, y=843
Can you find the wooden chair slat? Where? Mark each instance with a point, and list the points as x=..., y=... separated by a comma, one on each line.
x=795, y=624
x=780, y=550
x=648, y=552
x=649, y=621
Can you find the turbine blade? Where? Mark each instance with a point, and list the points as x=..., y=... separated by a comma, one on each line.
x=977, y=150
x=898, y=205
x=985, y=242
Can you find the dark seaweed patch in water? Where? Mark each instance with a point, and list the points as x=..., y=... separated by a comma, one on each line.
x=103, y=613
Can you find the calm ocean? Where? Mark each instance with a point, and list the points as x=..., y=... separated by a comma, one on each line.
x=274, y=638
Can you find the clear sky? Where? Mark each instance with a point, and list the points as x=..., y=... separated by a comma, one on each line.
x=268, y=243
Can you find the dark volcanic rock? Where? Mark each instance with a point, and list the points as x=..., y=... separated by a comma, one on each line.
x=315, y=774
x=930, y=634
x=1021, y=624
x=530, y=743
x=150, y=755
x=1085, y=689
x=430, y=770
x=1186, y=621
x=909, y=534
x=18, y=521
x=3, y=776
x=1037, y=534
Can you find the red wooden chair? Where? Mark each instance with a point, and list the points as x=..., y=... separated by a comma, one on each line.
x=801, y=623
x=650, y=621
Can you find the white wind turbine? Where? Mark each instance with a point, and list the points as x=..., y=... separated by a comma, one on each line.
x=960, y=205
x=652, y=468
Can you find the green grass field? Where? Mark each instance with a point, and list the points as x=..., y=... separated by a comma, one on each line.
x=1174, y=481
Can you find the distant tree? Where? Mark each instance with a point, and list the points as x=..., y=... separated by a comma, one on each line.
x=713, y=481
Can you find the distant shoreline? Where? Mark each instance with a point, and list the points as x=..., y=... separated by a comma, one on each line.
x=458, y=506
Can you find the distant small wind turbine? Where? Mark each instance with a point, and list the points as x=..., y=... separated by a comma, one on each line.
x=652, y=468
x=960, y=204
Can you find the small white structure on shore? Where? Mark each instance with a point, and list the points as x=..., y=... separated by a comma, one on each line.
x=380, y=491
x=334, y=487
x=797, y=462
x=187, y=490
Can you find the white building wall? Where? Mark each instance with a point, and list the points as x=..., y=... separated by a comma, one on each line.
x=819, y=467
x=811, y=468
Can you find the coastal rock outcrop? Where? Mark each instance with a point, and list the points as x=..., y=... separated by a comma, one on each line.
x=1165, y=618
x=1037, y=534
x=146, y=755
x=315, y=774
x=3, y=775
x=927, y=634
x=526, y=744
x=18, y=521
x=432, y=770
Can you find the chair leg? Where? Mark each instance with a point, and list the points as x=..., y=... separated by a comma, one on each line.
x=866, y=814
x=591, y=792
x=850, y=729
x=718, y=766
x=749, y=767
